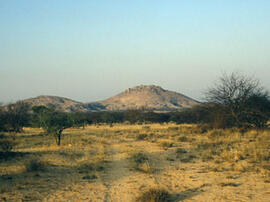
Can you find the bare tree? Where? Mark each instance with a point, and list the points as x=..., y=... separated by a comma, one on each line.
x=243, y=100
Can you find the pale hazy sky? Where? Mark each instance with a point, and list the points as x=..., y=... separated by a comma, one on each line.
x=89, y=50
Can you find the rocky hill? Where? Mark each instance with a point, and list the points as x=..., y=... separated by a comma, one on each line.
x=148, y=97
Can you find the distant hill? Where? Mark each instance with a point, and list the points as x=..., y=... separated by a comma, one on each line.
x=60, y=103
x=148, y=97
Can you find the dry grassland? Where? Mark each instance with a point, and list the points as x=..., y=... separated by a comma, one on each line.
x=154, y=162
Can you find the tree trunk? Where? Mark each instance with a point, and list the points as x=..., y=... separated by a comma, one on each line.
x=59, y=137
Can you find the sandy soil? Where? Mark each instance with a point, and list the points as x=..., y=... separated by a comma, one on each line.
x=184, y=175
x=190, y=181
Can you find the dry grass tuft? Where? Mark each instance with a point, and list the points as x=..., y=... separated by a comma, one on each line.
x=183, y=138
x=155, y=195
x=247, y=151
x=166, y=144
x=230, y=184
x=141, y=162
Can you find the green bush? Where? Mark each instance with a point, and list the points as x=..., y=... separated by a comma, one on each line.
x=167, y=144
x=183, y=139
x=89, y=177
x=35, y=165
x=6, y=146
x=181, y=151
x=141, y=136
x=86, y=168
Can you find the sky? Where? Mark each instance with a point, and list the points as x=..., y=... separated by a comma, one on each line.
x=89, y=50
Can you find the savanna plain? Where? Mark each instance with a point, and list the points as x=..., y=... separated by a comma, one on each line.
x=148, y=162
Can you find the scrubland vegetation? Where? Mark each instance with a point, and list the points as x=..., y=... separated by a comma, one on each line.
x=217, y=151
x=149, y=162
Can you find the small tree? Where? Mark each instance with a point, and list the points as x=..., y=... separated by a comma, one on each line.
x=79, y=119
x=14, y=117
x=238, y=100
x=259, y=113
x=134, y=115
x=53, y=122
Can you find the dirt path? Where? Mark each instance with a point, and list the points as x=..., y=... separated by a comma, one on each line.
x=118, y=176
x=186, y=181
x=114, y=184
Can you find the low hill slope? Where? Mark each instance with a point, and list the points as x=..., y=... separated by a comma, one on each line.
x=60, y=103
